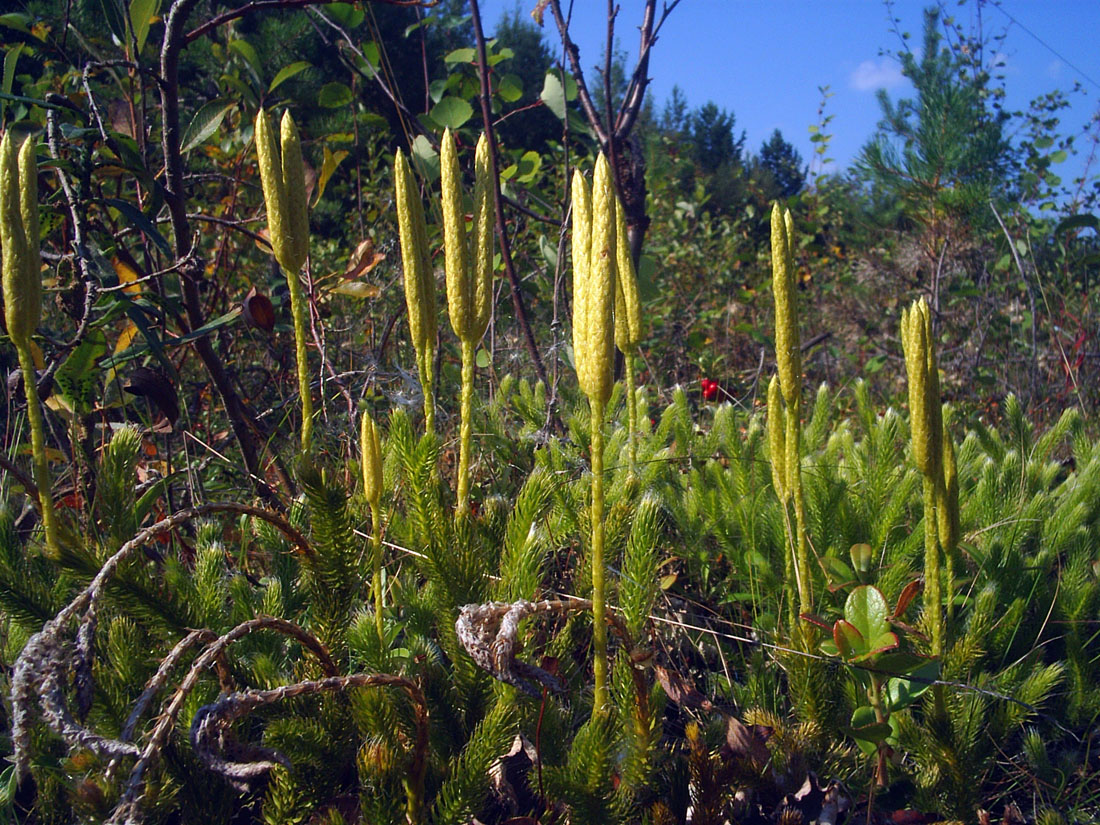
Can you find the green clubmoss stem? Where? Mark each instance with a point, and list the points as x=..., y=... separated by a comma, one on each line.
x=599, y=624
x=462, y=506
x=631, y=412
x=38, y=448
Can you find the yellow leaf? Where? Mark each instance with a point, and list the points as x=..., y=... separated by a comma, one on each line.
x=36, y=356
x=328, y=166
x=357, y=289
x=127, y=276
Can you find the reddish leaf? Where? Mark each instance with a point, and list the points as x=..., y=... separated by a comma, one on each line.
x=258, y=311
x=908, y=593
x=680, y=690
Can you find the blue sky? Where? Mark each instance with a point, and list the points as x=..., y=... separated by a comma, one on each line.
x=764, y=61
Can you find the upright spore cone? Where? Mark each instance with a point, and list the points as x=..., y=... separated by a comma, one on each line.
x=628, y=314
x=469, y=271
x=370, y=447
x=282, y=175
x=594, y=290
x=788, y=348
x=419, y=279
x=22, y=282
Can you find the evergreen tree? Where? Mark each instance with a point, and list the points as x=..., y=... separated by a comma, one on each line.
x=943, y=153
x=712, y=138
x=779, y=169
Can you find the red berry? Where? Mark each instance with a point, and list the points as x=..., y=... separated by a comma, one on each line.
x=710, y=389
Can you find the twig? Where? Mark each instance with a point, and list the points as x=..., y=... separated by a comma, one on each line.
x=209, y=736
x=261, y=5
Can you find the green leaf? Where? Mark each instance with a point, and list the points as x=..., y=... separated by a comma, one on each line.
x=346, y=14
x=425, y=157
x=848, y=639
x=116, y=21
x=510, y=88
x=78, y=376
x=868, y=732
x=10, y=59
x=205, y=123
x=372, y=54
x=549, y=251
x=452, y=112
x=19, y=22
x=483, y=359
x=248, y=52
x=437, y=89
x=529, y=166
x=553, y=95
x=900, y=693
x=141, y=222
x=142, y=13
x=461, y=56
x=866, y=609
x=288, y=72
x=1059, y=156
x=503, y=54
x=334, y=95
x=1078, y=222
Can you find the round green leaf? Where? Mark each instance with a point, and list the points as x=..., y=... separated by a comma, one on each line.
x=553, y=95
x=334, y=95
x=510, y=88
x=866, y=609
x=452, y=112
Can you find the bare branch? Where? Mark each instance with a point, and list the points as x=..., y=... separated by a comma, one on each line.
x=210, y=736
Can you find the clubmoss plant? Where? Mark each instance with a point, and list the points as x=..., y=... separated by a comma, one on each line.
x=788, y=357
x=628, y=327
x=469, y=281
x=419, y=281
x=23, y=298
x=927, y=436
x=370, y=447
x=593, y=352
x=282, y=175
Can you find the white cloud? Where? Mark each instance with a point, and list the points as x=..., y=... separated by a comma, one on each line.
x=870, y=75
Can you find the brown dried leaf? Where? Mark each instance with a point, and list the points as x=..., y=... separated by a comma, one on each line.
x=680, y=690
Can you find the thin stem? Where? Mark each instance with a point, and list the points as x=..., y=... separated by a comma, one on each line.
x=874, y=694
x=38, y=446
x=376, y=558
x=794, y=480
x=427, y=385
x=599, y=628
x=298, y=310
x=462, y=506
x=631, y=413
x=932, y=593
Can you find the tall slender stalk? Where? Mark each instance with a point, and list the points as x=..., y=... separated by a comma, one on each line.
x=419, y=281
x=282, y=174
x=469, y=282
x=926, y=433
x=22, y=287
x=594, y=236
x=628, y=326
x=370, y=448
x=599, y=596
x=788, y=357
